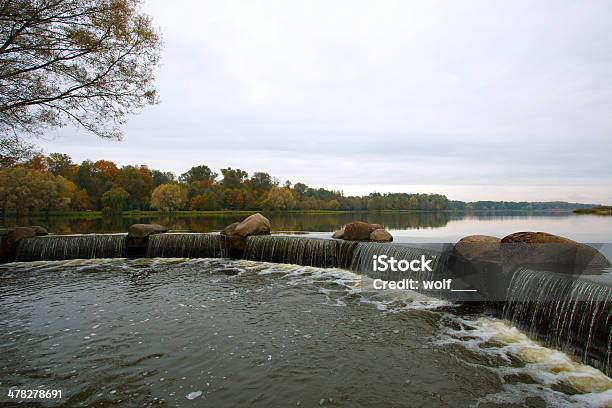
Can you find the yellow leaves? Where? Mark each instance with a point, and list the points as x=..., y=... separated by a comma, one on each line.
x=83, y=38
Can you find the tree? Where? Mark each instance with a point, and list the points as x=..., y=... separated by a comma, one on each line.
x=261, y=182
x=233, y=178
x=87, y=180
x=300, y=189
x=169, y=197
x=114, y=201
x=24, y=190
x=161, y=177
x=60, y=164
x=14, y=149
x=137, y=181
x=89, y=63
x=279, y=198
x=197, y=174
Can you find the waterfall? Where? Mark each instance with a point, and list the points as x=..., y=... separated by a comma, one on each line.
x=185, y=245
x=568, y=313
x=331, y=253
x=59, y=247
x=319, y=252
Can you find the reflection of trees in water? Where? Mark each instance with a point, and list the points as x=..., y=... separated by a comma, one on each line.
x=330, y=222
x=280, y=221
x=207, y=223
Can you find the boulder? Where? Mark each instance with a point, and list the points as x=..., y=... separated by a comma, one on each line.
x=145, y=230
x=255, y=224
x=380, y=235
x=477, y=247
x=230, y=229
x=138, y=238
x=40, y=231
x=339, y=234
x=359, y=231
x=236, y=233
x=534, y=238
x=553, y=252
x=10, y=241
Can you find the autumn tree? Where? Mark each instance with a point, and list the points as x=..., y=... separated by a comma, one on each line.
x=89, y=63
x=279, y=198
x=24, y=190
x=169, y=197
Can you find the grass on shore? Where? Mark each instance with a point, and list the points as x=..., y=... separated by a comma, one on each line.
x=599, y=210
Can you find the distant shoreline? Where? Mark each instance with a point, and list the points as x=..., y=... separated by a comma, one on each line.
x=188, y=213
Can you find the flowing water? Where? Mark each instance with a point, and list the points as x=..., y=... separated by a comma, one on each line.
x=574, y=315
x=60, y=247
x=185, y=245
x=323, y=253
x=226, y=333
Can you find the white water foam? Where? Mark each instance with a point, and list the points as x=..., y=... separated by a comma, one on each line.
x=550, y=369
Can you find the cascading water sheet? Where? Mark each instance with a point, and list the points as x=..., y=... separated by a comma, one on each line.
x=61, y=247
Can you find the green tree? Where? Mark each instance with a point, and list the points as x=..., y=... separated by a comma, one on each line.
x=233, y=178
x=60, y=164
x=135, y=181
x=115, y=200
x=300, y=190
x=161, y=177
x=198, y=174
x=261, y=182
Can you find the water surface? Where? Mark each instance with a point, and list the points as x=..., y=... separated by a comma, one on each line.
x=405, y=226
x=224, y=333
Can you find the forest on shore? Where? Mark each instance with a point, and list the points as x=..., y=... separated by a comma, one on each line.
x=54, y=183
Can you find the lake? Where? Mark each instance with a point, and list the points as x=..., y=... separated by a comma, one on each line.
x=405, y=227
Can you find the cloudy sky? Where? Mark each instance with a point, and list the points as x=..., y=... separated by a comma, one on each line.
x=472, y=99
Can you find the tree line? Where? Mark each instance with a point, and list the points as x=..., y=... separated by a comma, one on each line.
x=55, y=183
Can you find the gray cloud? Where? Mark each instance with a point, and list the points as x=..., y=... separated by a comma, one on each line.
x=478, y=100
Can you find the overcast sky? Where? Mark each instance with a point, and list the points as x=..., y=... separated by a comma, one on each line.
x=476, y=100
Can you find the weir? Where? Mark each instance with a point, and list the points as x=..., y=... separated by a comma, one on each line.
x=568, y=313
x=317, y=252
x=61, y=247
x=185, y=245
